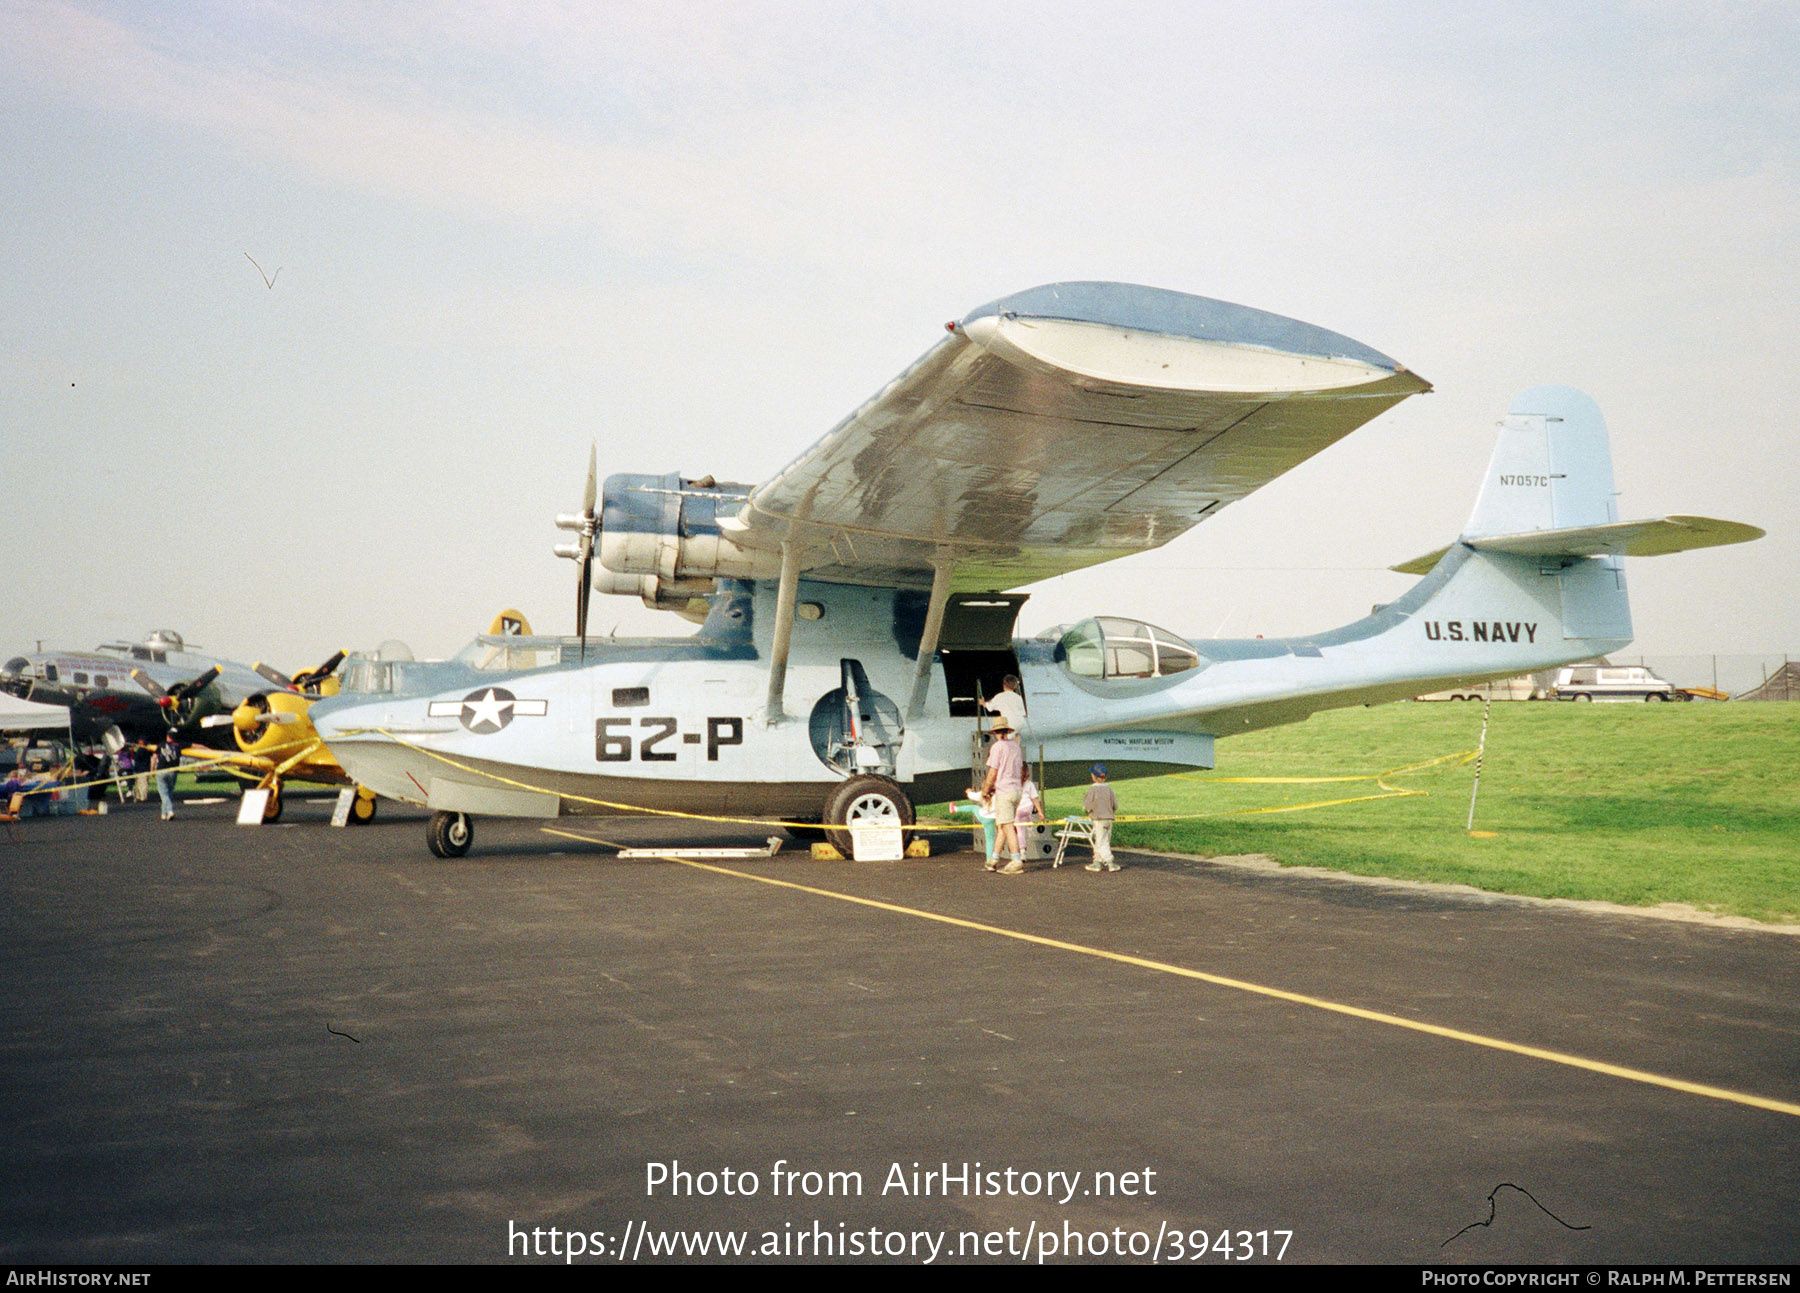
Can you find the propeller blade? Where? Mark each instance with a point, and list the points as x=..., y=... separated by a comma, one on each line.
x=309, y=679
x=149, y=684
x=584, y=552
x=199, y=684
x=217, y=720
x=581, y=598
x=274, y=675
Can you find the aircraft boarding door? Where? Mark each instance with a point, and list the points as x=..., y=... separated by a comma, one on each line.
x=645, y=730
x=976, y=647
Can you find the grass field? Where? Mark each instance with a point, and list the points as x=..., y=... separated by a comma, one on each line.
x=1637, y=804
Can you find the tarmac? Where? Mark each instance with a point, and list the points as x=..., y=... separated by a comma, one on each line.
x=295, y=1043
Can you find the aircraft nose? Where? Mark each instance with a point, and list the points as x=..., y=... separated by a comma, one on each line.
x=12, y=676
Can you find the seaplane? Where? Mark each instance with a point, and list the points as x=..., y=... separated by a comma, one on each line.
x=856, y=607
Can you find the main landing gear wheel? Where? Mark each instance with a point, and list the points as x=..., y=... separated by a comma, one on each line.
x=362, y=808
x=450, y=834
x=272, y=805
x=864, y=801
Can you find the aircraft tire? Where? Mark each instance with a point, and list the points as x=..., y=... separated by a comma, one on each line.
x=362, y=808
x=272, y=807
x=450, y=834
x=866, y=799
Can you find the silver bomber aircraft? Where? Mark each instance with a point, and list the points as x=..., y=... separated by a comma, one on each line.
x=142, y=688
x=858, y=605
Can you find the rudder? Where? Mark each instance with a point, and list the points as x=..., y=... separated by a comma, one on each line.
x=1551, y=470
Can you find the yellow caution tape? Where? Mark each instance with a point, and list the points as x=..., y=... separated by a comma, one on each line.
x=1437, y=764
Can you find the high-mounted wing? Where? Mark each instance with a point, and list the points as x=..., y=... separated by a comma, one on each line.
x=1062, y=427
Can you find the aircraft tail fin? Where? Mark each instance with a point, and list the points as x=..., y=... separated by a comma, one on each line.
x=509, y=623
x=1536, y=580
x=1552, y=469
x=1548, y=492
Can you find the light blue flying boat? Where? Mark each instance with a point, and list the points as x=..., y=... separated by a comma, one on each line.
x=857, y=606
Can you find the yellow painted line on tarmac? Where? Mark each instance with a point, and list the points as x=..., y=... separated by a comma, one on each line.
x=1261, y=990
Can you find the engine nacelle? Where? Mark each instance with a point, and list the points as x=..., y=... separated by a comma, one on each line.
x=686, y=597
x=274, y=724
x=668, y=527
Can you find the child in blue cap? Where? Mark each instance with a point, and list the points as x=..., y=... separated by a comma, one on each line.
x=1102, y=805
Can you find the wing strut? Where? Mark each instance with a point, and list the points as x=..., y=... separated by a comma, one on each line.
x=784, y=625
x=941, y=572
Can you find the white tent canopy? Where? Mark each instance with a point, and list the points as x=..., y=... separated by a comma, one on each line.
x=27, y=715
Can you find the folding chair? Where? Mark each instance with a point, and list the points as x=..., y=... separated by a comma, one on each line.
x=1074, y=828
x=10, y=818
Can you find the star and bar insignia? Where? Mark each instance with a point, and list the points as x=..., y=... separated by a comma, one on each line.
x=488, y=709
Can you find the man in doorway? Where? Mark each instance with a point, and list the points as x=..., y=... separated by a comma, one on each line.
x=1009, y=704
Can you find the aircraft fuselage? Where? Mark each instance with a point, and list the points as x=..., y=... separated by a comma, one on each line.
x=100, y=692
x=681, y=724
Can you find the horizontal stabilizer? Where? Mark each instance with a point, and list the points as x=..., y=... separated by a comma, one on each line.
x=1620, y=538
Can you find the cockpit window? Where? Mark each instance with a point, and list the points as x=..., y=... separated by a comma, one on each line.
x=1108, y=647
x=1083, y=649
x=365, y=674
x=510, y=653
x=15, y=676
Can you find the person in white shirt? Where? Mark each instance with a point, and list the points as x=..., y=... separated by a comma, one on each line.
x=1009, y=704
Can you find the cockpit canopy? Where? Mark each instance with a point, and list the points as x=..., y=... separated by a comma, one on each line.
x=512, y=653
x=1106, y=647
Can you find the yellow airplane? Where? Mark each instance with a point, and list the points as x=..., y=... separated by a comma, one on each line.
x=277, y=742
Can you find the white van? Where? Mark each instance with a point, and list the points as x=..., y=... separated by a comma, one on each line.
x=1613, y=682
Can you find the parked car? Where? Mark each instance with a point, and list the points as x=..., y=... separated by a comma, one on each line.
x=1614, y=682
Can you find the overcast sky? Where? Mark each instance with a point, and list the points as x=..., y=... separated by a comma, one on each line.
x=703, y=234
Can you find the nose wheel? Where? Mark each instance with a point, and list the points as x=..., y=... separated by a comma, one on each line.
x=450, y=834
